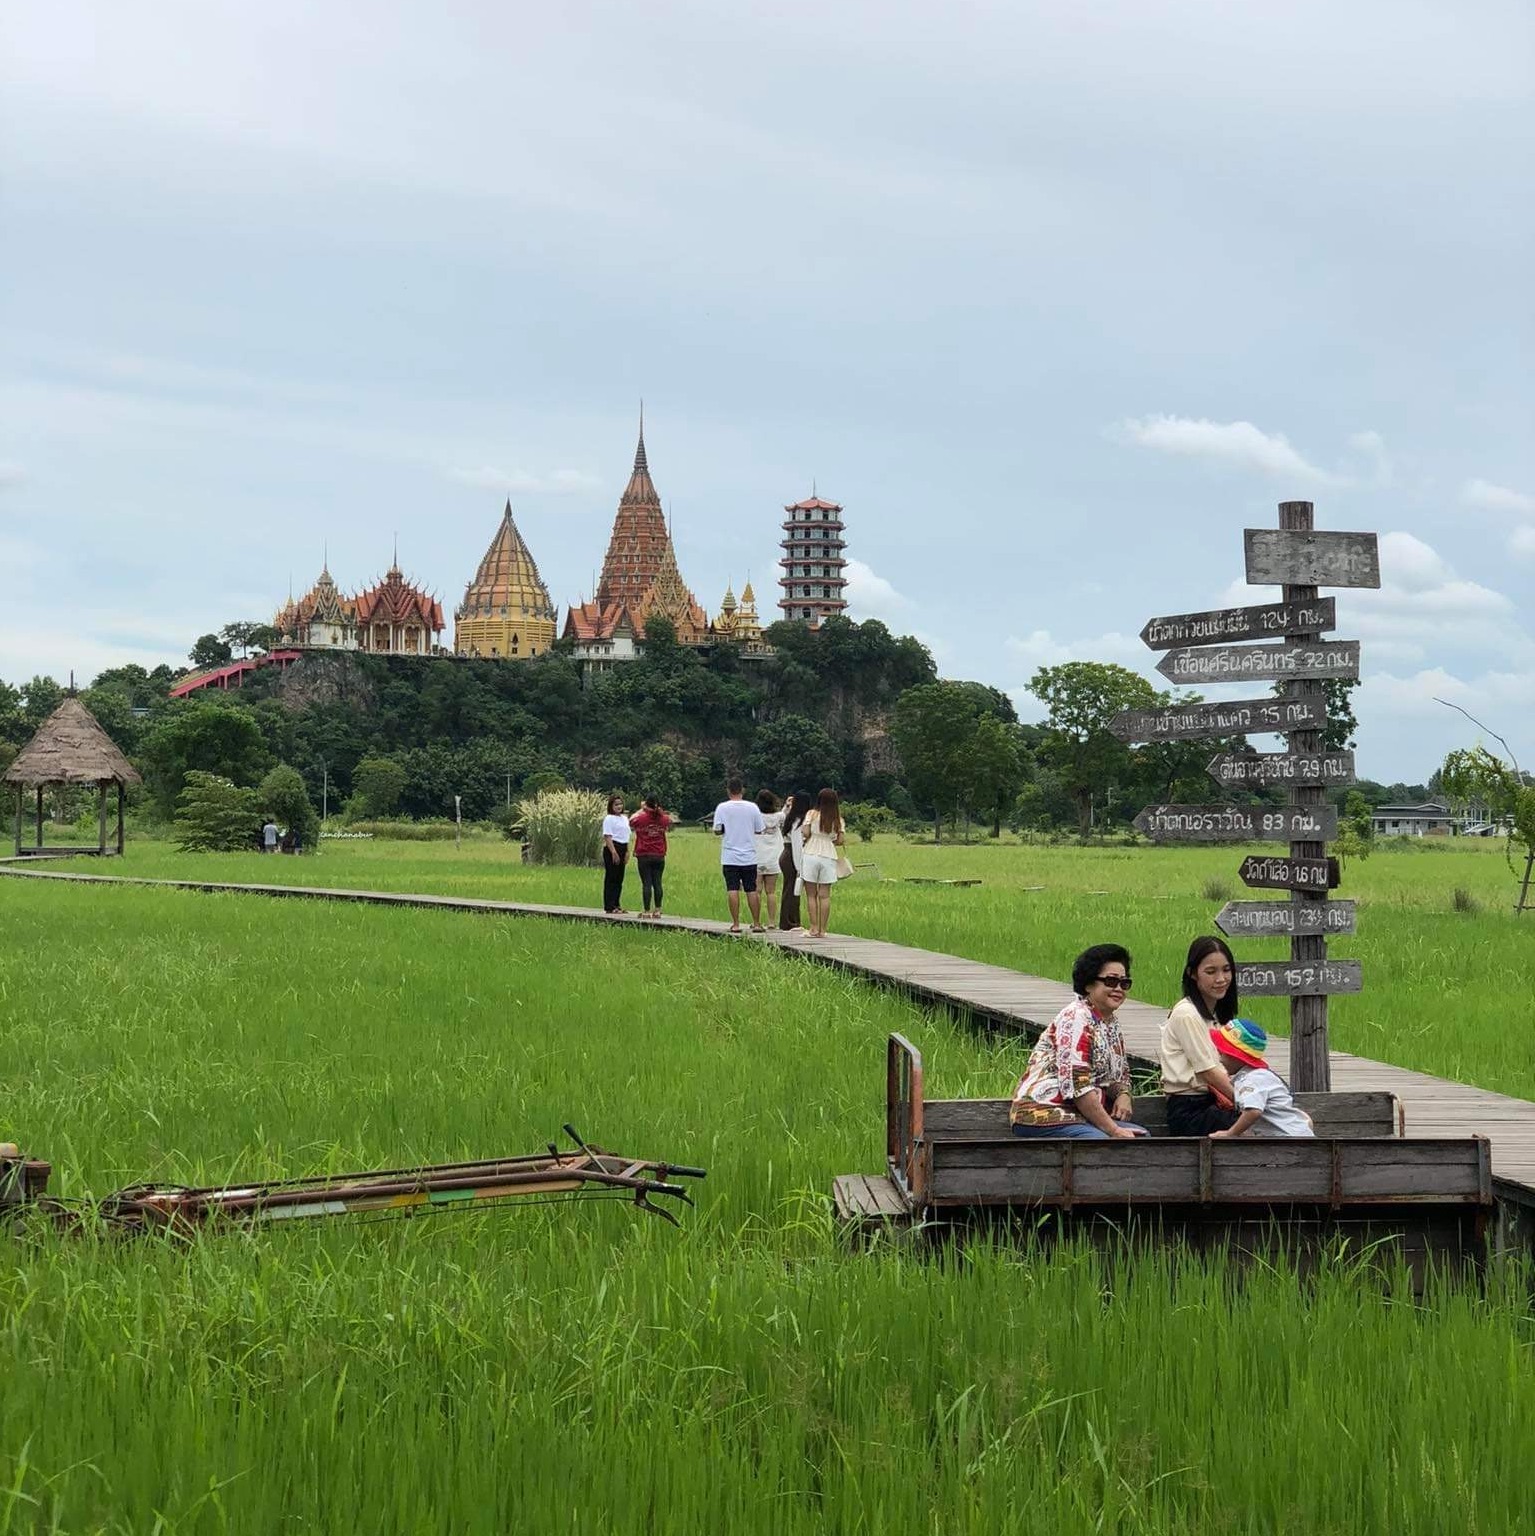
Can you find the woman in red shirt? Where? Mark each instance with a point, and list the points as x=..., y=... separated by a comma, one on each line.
x=649, y=825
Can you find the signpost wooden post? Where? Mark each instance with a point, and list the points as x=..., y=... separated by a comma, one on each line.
x=1202, y=649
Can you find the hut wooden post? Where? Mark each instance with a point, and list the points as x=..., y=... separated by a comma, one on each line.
x=121, y=796
x=101, y=816
x=39, y=815
x=18, y=820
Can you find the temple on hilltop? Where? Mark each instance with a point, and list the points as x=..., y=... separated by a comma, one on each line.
x=737, y=623
x=814, y=558
x=397, y=618
x=639, y=580
x=322, y=619
x=506, y=610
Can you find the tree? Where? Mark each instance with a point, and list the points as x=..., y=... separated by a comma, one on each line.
x=932, y=727
x=209, y=651
x=282, y=795
x=996, y=768
x=214, y=815
x=661, y=775
x=43, y=696
x=1082, y=698
x=377, y=784
x=220, y=739
x=238, y=635
x=1481, y=776
x=262, y=637
x=792, y=753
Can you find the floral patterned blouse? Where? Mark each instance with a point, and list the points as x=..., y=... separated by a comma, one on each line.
x=1077, y=1051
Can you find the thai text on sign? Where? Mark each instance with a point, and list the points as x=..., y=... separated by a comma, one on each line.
x=1238, y=823
x=1274, y=871
x=1266, y=663
x=1298, y=978
x=1280, y=919
x=1291, y=557
x=1282, y=768
x=1264, y=621
x=1182, y=722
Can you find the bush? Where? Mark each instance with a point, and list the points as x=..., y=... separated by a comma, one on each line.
x=866, y=819
x=436, y=830
x=1215, y=889
x=1463, y=901
x=377, y=784
x=214, y=815
x=562, y=826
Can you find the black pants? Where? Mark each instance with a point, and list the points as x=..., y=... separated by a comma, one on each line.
x=613, y=878
x=651, y=867
x=788, y=902
x=1197, y=1114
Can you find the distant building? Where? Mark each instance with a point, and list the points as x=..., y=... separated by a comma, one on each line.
x=813, y=562
x=397, y=618
x=737, y=624
x=1431, y=819
x=506, y=610
x=322, y=619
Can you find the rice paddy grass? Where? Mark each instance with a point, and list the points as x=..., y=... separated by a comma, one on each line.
x=589, y=1369
x=1446, y=991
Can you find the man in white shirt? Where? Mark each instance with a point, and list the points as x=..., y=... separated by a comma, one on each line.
x=738, y=822
x=269, y=836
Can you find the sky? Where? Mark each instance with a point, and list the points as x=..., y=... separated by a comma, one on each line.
x=1055, y=299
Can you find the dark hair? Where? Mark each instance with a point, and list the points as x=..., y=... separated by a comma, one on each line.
x=767, y=801
x=797, y=811
x=735, y=787
x=1085, y=968
x=611, y=798
x=1206, y=945
x=651, y=803
x=828, y=813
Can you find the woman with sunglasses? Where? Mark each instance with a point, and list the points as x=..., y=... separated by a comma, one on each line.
x=1077, y=1082
x=1200, y=1098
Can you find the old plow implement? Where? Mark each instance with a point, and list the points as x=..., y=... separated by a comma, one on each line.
x=584, y=1173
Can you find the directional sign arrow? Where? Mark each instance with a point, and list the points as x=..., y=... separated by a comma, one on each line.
x=1266, y=621
x=1188, y=722
x=1275, y=919
x=1238, y=823
x=1272, y=871
x=1261, y=663
x=1283, y=556
x=1282, y=768
x=1298, y=978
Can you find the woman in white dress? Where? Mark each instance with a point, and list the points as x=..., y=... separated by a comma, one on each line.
x=823, y=836
x=769, y=843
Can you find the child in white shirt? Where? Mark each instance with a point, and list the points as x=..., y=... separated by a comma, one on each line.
x=1262, y=1095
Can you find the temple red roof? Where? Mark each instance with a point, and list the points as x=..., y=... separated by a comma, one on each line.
x=639, y=543
x=814, y=504
x=397, y=601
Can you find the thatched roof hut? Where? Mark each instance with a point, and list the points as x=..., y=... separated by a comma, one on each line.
x=70, y=747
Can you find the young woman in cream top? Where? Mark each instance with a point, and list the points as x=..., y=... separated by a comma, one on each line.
x=1200, y=1098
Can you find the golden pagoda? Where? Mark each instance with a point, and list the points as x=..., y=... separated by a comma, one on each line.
x=724, y=625
x=506, y=610
x=748, y=627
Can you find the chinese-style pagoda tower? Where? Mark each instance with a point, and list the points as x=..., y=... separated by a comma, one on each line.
x=813, y=560
x=639, y=575
x=506, y=610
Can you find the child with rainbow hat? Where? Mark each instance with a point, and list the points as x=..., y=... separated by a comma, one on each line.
x=1262, y=1095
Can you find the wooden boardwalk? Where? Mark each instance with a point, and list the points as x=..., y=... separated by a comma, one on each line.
x=1008, y=999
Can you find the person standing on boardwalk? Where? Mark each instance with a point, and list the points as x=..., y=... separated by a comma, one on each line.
x=650, y=825
x=1077, y=1082
x=794, y=810
x=1196, y=1085
x=769, y=844
x=822, y=863
x=615, y=855
x=737, y=822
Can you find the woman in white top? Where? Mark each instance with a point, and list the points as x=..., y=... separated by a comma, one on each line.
x=822, y=832
x=615, y=855
x=769, y=843
x=1198, y=1089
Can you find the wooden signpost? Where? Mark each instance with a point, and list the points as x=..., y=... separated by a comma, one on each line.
x=1260, y=768
x=1237, y=823
x=1279, y=919
x=1191, y=722
x=1261, y=663
x=1202, y=650
x=1264, y=622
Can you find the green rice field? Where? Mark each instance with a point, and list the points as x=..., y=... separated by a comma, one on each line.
x=585, y=1368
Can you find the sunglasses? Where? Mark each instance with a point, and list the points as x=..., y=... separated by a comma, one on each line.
x=1115, y=983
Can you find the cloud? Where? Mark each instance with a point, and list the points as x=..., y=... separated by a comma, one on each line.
x=1238, y=443
x=11, y=473
x=517, y=482
x=1521, y=543
x=1372, y=446
x=1496, y=498
x=871, y=596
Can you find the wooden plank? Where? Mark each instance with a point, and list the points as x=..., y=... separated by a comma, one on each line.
x=1197, y=666
x=1274, y=871
x=1310, y=558
x=1261, y=621
x=1237, y=823
x=1260, y=768
x=1274, y=919
x=1191, y=722
x=1298, y=978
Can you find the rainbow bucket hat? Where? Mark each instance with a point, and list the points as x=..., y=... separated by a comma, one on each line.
x=1243, y=1039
